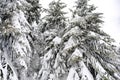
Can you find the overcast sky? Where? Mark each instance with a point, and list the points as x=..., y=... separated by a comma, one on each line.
x=110, y=10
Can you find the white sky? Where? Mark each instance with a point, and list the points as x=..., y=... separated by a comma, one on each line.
x=110, y=10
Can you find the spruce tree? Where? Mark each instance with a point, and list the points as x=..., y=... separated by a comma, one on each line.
x=16, y=42
x=88, y=51
x=53, y=48
x=53, y=28
x=55, y=18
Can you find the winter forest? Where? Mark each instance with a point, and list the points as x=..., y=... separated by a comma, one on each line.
x=55, y=47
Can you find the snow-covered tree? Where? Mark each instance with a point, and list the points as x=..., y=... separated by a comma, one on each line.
x=16, y=48
x=53, y=48
x=33, y=12
x=87, y=50
x=53, y=28
x=56, y=16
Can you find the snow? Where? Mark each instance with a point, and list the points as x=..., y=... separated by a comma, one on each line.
x=48, y=55
x=76, y=55
x=24, y=3
x=51, y=32
x=74, y=31
x=45, y=70
x=11, y=66
x=5, y=71
x=71, y=43
x=44, y=74
x=18, y=3
x=100, y=69
x=98, y=65
x=101, y=41
x=79, y=21
x=77, y=18
x=51, y=76
x=19, y=22
x=98, y=77
x=22, y=46
x=56, y=61
x=86, y=75
x=24, y=41
x=46, y=33
x=22, y=62
x=117, y=75
x=92, y=33
x=18, y=49
x=34, y=25
x=73, y=75
x=25, y=25
x=15, y=20
x=57, y=40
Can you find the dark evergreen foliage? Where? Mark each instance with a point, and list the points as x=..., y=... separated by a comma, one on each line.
x=55, y=48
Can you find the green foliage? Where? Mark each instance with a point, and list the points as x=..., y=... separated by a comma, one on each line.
x=55, y=17
x=43, y=54
x=34, y=12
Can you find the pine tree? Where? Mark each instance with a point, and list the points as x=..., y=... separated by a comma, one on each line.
x=88, y=50
x=53, y=48
x=16, y=50
x=53, y=27
x=55, y=19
